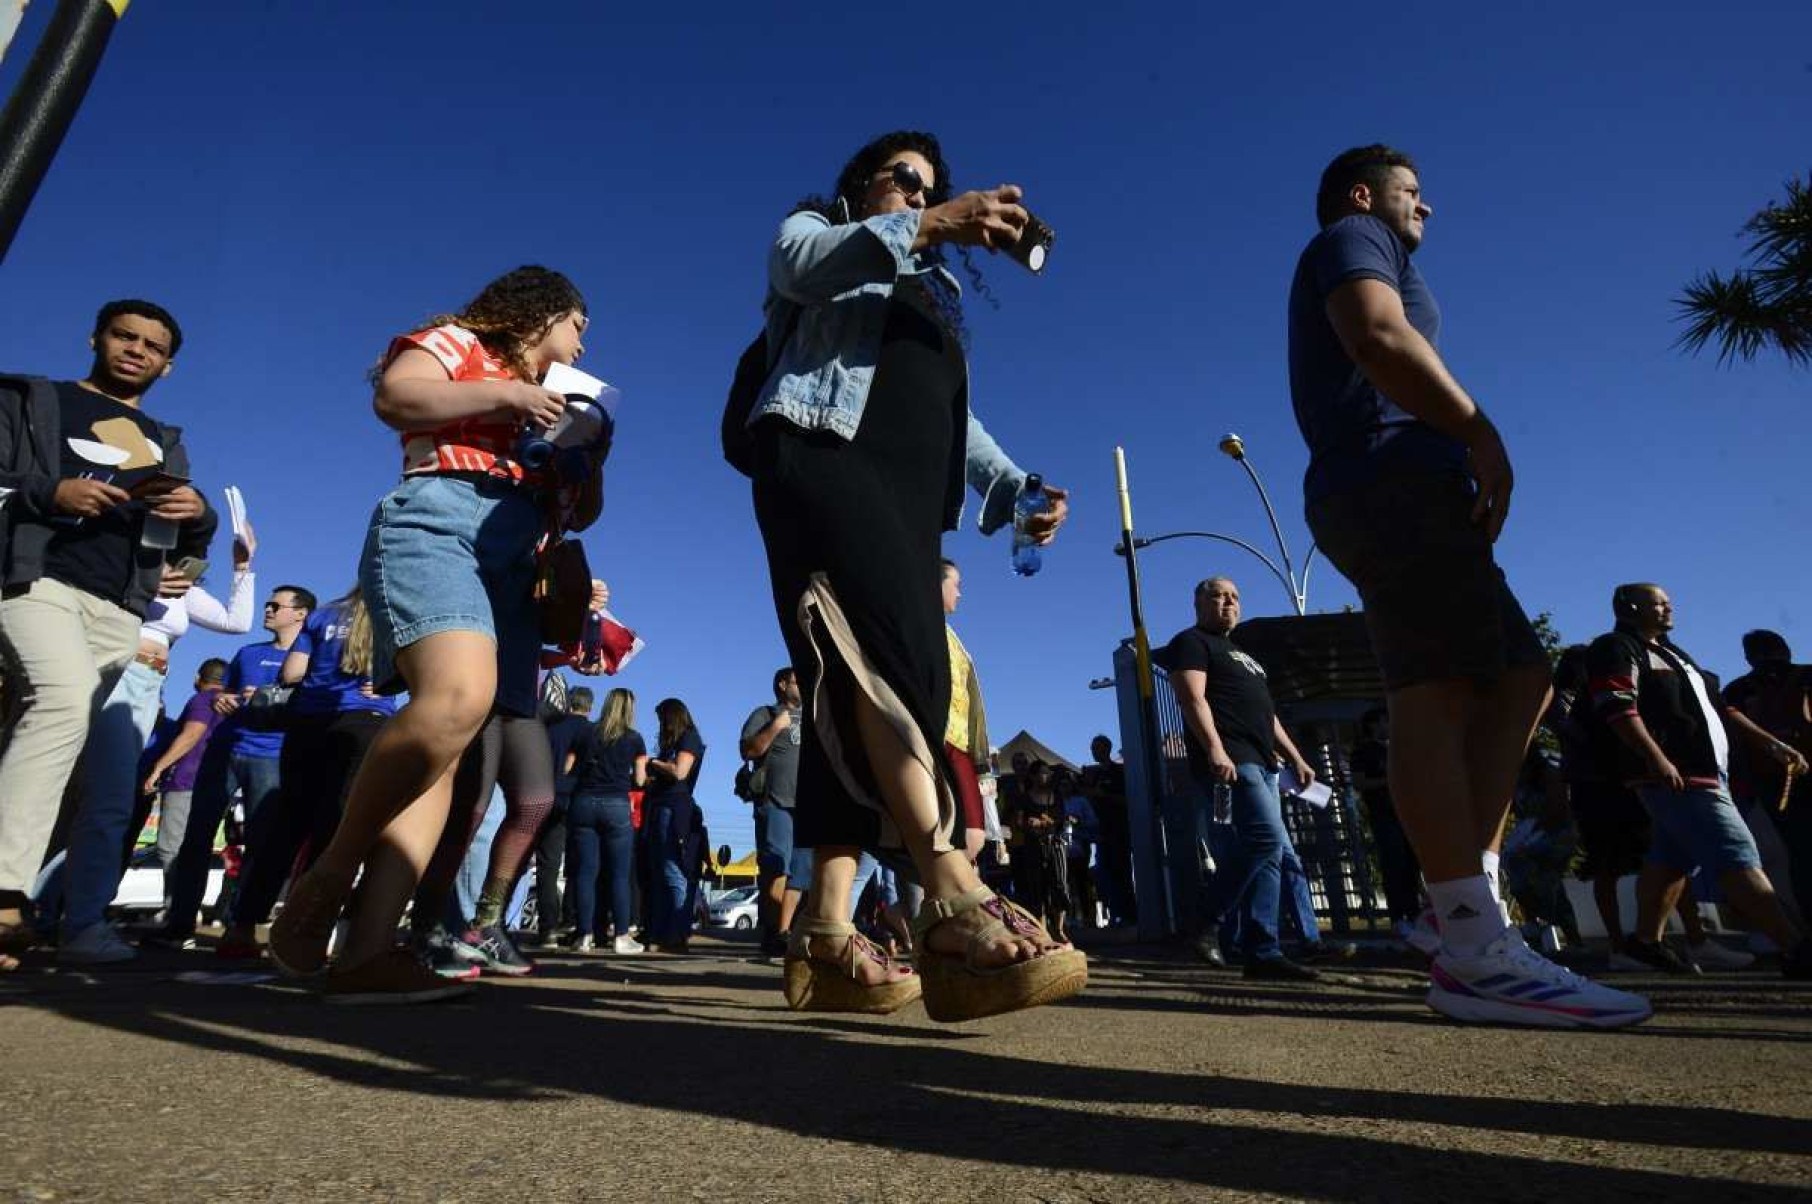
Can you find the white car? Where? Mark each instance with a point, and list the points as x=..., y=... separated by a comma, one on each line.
x=142, y=887
x=735, y=909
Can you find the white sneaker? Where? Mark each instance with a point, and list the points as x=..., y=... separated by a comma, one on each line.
x=1712, y=956
x=96, y=945
x=1425, y=937
x=628, y=944
x=1509, y=983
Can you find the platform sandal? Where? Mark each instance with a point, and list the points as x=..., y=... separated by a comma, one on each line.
x=958, y=989
x=815, y=984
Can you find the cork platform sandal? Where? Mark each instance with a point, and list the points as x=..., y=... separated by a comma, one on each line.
x=958, y=989
x=816, y=984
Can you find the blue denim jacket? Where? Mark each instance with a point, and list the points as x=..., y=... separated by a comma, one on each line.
x=839, y=279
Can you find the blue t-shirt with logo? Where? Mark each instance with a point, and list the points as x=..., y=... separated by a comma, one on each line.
x=1356, y=435
x=252, y=666
x=326, y=688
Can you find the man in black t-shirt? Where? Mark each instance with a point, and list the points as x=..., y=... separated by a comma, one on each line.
x=1233, y=739
x=93, y=494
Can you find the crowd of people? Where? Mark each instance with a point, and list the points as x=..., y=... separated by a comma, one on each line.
x=366, y=739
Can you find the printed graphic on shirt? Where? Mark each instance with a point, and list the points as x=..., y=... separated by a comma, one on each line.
x=118, y=444
x=483, y=444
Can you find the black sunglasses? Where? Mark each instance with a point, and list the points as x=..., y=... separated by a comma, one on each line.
x=906, y=178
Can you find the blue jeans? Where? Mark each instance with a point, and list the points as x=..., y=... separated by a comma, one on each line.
x=256, y=779
x=1297, y=905
x=116, y=742
x=668, y=920
x=867, y=867
x=1185, y=820
x=1250, y=875
x=599, y=833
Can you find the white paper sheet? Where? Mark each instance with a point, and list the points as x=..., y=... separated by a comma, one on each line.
x=1315, y=795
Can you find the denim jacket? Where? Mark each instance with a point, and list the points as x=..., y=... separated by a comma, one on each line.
x=839, y=280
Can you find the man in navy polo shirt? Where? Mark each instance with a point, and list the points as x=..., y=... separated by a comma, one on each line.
x=1407, y=489
x=240, y=759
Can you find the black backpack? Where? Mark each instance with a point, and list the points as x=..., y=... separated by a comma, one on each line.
x=745, y=386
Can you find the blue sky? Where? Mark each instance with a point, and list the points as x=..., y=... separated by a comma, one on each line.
x=297, y=183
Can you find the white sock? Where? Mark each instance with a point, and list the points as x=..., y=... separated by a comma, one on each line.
x=1468, y=914
x=1489, y=860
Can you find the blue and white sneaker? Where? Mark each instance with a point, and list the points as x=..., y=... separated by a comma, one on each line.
x=1510, y=983
x=496, y=953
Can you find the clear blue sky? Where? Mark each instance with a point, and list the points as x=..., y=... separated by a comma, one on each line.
x=298, y=182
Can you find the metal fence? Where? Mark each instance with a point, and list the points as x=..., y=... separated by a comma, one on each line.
x=1331, y=842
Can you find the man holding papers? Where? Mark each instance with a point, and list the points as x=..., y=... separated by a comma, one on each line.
x=1234, y=739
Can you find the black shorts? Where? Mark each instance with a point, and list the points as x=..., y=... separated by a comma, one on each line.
x=1436, y=604
x=1614, y=828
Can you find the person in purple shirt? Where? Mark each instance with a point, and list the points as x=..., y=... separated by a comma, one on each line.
x=173, y=773
x=333, y=717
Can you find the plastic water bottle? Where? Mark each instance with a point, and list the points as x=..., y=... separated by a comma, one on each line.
x=1030, y=503
x=158, y=532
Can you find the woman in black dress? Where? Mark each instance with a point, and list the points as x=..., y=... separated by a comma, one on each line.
x=863, y=443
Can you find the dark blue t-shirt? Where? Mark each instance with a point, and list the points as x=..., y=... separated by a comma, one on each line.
x=327, y=688
x=252, y=666
x=608, y=766
x=566, y=734
x=666, y=791
x=1355, y=434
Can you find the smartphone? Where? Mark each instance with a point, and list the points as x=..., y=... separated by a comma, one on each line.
x=191, y=567
x=156, y=484
x=1034, y=245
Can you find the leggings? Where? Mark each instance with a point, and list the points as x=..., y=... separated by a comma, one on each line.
x=510, y=750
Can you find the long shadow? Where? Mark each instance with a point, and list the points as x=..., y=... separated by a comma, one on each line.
x=932, y=1096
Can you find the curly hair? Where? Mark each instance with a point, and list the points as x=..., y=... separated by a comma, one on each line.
x=513, y=311
x=852, y=189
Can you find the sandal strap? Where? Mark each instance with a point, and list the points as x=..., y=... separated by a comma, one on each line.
x=807, y=926
x=935, y=911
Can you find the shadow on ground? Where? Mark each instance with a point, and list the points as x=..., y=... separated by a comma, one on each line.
x=592, y=1029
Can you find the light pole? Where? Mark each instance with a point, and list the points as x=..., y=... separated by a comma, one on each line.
x=1234, y=448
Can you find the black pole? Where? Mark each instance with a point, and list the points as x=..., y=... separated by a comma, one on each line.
x=45, y=102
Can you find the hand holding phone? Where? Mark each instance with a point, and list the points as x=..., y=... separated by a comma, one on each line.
x=191, y=567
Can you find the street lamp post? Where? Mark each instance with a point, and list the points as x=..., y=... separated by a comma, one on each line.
x=1296, y=586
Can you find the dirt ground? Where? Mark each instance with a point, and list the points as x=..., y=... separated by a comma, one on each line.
x=684, y=1078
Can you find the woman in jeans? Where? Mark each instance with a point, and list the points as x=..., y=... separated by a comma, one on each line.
x=612, y=762
x=448, y=572
x=333, y=717
x=863, y=440
x=667, y=821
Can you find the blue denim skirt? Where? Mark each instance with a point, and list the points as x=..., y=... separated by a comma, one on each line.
x=455, y=553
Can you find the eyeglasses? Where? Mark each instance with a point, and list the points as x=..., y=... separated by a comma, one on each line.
x=270, y=606
x=905, y=177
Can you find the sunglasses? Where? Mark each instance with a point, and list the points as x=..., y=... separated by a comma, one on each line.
x=905, y=177
x=270, y=606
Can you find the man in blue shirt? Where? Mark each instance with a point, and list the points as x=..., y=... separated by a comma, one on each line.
x=240, y=759
x=1407, y=490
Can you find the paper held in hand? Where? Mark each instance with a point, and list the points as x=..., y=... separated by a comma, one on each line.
x=569, y=382
x=1316, y=794
x=235, y=510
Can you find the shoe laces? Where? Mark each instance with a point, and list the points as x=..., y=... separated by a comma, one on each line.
x=1537, y=966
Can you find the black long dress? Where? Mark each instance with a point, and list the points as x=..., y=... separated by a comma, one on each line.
x=854, y=534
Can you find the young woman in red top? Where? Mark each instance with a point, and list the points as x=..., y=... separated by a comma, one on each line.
x=448, y=571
